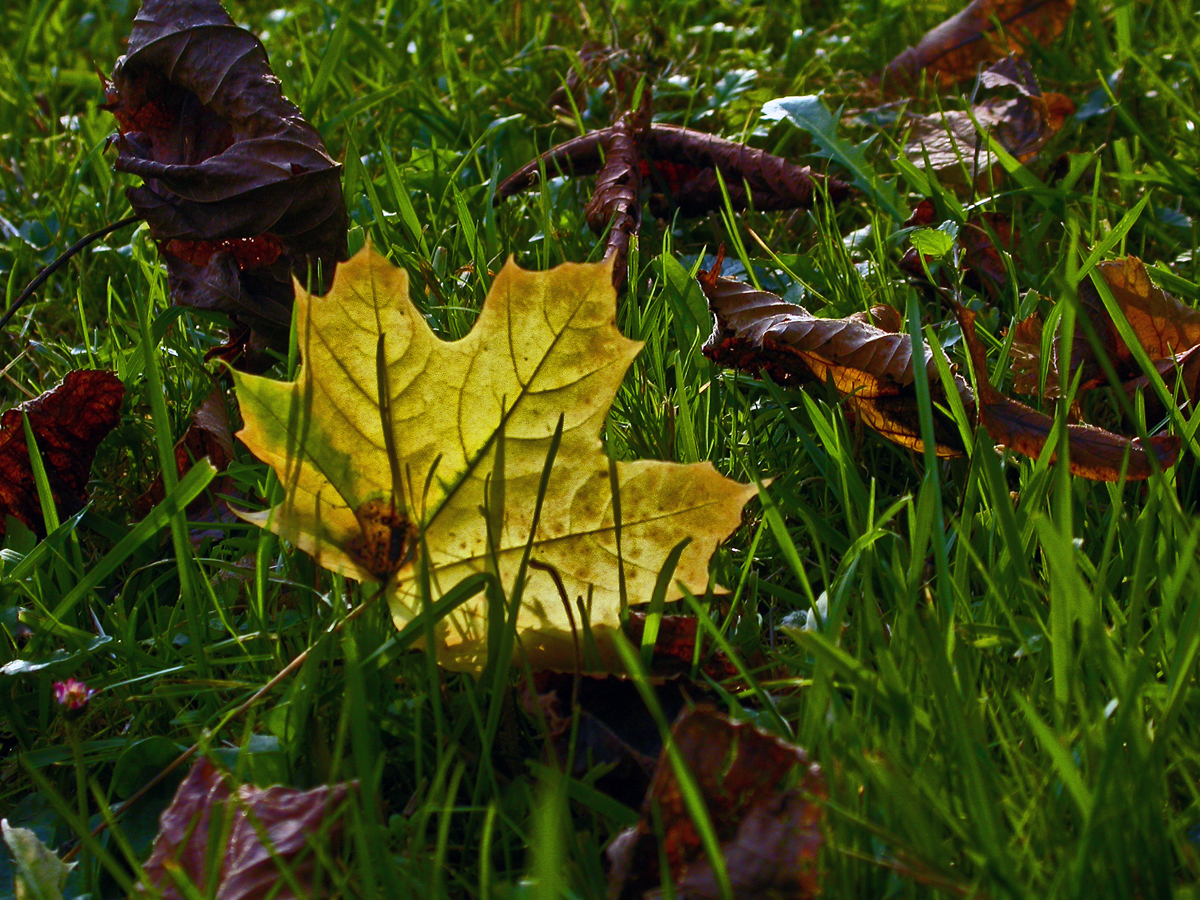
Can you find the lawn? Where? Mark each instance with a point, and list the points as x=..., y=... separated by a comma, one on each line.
x=999, y=686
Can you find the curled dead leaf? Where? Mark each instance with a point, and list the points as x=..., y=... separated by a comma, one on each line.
x=871, y=369
x=956, y=48
x=238, y=190
x=1167, y=330
x=682, y=164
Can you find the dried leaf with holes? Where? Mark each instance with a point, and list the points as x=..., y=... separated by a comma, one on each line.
x=381, y=483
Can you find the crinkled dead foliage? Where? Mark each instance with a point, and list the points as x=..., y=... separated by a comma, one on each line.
x=380, y=483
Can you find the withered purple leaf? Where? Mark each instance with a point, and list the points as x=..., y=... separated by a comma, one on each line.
x=264, y=829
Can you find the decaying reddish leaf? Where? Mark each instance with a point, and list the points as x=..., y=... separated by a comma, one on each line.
x=1094, y=453
x=612, y=726
x=956, y=140
x=238, y=190
x=1165, y=327
x=955, y=49
x=769, y=830
x=263, y=831
x=872, y=369
x=979, y=257
x=210, y=435
x=68, y=421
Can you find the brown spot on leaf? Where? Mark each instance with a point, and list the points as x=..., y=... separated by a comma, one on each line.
x=387, y=541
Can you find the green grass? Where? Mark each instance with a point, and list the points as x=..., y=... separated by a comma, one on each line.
x=1002, y=694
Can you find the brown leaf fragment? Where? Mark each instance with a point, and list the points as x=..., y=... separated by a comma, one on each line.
x=1094, y=453
x=763, y=799
x=68, y=422
x=675, y=647
x=264, y=830
x=773, y=182
x=955, y=49
x=594, y=59
x=238, y=190
x=1025, y=354
x=209, y=435
x=578, y=156
x=872, y=369
x=957, y=139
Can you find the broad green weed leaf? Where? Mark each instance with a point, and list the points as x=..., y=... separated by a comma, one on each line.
x=40, y=874
x=380, y=482
x=810, y=114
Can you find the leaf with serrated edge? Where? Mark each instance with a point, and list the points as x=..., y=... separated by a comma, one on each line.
x=545, y=345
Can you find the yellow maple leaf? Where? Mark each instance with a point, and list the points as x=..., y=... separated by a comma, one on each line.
x=366, y=499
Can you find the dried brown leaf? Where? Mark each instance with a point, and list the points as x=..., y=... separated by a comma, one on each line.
x=769, y=831
x=209, y=435
x=1094, y=453
x=871, y=369
x=682, y=164
x=264, y=830
x=955, y=49
x=1022, y=124
x=68, y=422
x=238, y=190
